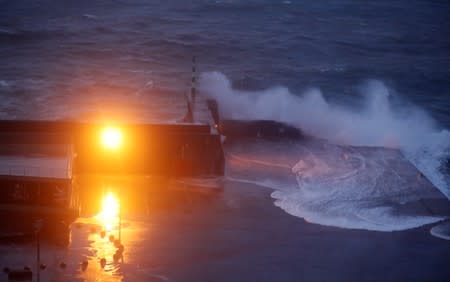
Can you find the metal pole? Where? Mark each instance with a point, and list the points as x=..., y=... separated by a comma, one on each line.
x=120, y=199
x=38, y=256
x=193, y=90
x=193, y=87
x=120, y=214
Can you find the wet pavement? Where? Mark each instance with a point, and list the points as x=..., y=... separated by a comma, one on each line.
x=234, y=234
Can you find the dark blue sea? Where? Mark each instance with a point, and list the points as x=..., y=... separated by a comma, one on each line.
x=369, y=80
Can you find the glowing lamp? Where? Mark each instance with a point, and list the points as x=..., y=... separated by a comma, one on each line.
x=111, y=138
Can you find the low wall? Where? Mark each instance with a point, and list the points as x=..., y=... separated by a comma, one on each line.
x=157, y=149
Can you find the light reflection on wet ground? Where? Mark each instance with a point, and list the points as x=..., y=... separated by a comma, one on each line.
x=235, y=234
x=87, y=244
x=94, y=236
x=99, y=247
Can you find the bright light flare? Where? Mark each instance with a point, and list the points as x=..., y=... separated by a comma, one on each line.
x=111, y=138
x=109, y=214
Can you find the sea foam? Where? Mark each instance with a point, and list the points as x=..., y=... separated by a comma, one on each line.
x=378, y=123
x=341, y=186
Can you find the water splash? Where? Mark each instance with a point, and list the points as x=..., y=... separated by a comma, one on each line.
x=379, y=123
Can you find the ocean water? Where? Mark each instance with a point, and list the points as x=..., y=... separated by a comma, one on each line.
x=370, y=81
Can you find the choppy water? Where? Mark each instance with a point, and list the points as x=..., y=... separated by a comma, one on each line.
x=363, y=74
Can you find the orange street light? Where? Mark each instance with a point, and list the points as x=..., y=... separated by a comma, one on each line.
x=111, y=138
